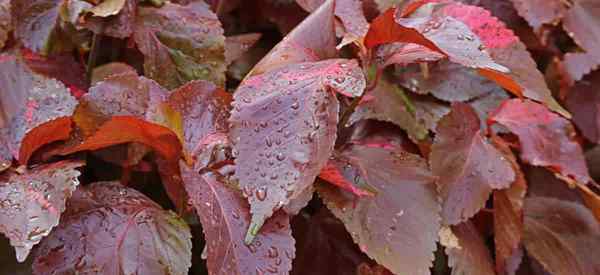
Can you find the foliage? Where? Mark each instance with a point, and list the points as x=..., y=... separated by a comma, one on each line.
x=299, y=137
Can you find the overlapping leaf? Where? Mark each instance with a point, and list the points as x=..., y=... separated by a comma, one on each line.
x=581, y=22
x=398, y=226
x=469, y=255
x=225, y=216
x=36, y=108
x=470, y=36
x=37, y=22
x=546, y=138
x=32, y=203
x=583, y=101
x=508, y=216
x=116, y=18
x=563, y=236
x=312, y=40
x=111, y=229
x=283, y=127
x=467, y=165
x=540, y=12
x=181, y=43
x=387, y=102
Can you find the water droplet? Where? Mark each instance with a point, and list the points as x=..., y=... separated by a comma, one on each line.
x=263, y=124
x=248, y=191
x=340, y=80
x=261, y=193
x=272, y=269
x=235, y=215
x=460, y=37
x=295, y=105
x=268, y=141
x=247, y=100
x=280, y=156
x=252, y=248
x=400, y=213
x=274, y=176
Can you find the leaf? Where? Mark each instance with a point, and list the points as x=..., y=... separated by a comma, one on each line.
x=563, y=236
x=122, y=94
x=508, y=216
x=428, y=111
x=507, y=50
x=5, y=22
x=540, y=12
x=387, y=102
x=492, y=48
x=546, y=139
x=324, y=246
x=337, y=173
x=301, y=44
x=449, y=81
x=467, y=165
x=180, y=44
x=404, y=54
x=436, y=31
x=581, y=22
x=111, y=229
x=120, y=25
x=583, y=101
x=106, y=71
x=31, y=203
x=36, y=108
x=37, y=22
x=470, y=254
x=108, y=8
x=237, y=45
x=197, y=112
x=126, y=129
x=351, y=13
x=53, y=66
x=225, y=216
x=397, y=227
x=283, y=127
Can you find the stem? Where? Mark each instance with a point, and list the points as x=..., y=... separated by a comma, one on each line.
x=93, y=55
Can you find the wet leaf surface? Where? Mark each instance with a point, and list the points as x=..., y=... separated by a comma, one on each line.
x=225, y=216
x=546, y=138
x=398, y=226
x=32, y=203
x=111, y=229
x=540, y=12
x=274, y=164
x=35, y=108
x=583, y=101
x=120, y=25
x=181, y=43
x=467, y=165
x=581, y=22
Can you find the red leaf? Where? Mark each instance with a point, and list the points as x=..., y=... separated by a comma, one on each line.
x=181, y=43
x=581, y=23
x=54, y=67
x=546, y=139
x=563, y=236
x=237, y=45
x=387, y=102
x=355, y=25
x=398, y=226
x=126, y=129
x=467, y=37
x=37, y=20
x=467, y=253
x=33, y=105
x=312, y=40
x=33, y=202
x=283, y=127
x=336, y=172
x=197, y=112
x=436, y=31
x=404, y=54
x=225, y=216
x=540, y=12
x=106, y=71
x=467, y=165
x=583, y=101
x=111, y=229
x=508, y=216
